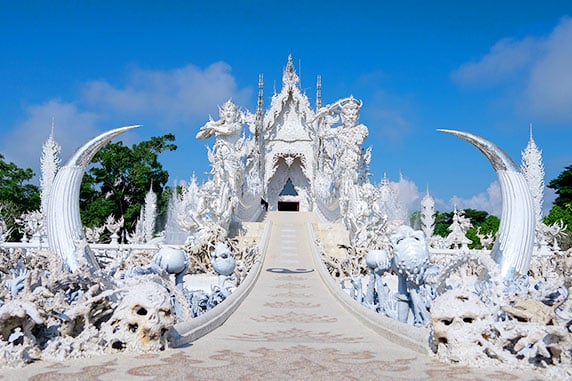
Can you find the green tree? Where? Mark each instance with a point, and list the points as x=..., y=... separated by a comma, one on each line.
x=442, y=223
x=17, y=195
x=563, y=186
x=119, y=178
x=561, y=210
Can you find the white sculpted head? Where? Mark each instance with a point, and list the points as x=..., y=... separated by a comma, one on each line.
x=143, y=319
x=458, y=318
x=350, y=112
x=223, y=260
x=229, y=113
x=411, y=253
x=378, y=261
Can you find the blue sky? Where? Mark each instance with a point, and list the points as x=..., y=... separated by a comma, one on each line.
x=487, y=67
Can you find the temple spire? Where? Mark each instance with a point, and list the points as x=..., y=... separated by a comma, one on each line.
x=532, y=168
x=319, y=93
x=289, y=78
x=531, y=132
x=260, y=104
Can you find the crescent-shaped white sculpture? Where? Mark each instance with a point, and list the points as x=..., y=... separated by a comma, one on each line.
x=65, y=231
x=515, y=239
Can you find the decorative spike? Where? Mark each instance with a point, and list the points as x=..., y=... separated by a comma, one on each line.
x=318, y=93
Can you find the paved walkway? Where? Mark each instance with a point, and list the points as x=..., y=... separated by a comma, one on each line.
x=289, y=328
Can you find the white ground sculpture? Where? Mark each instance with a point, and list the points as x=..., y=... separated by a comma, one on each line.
x=506, y=309
x=513, y=247
x=65, y=231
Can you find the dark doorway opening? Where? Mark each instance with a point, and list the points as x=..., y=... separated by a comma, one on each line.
x=288, y=206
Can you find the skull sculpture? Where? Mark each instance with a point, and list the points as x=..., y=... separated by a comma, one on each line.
x=143, y=319
x=458, y=325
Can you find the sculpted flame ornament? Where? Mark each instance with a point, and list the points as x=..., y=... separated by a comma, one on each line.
x=513, y=247
x=65, y=231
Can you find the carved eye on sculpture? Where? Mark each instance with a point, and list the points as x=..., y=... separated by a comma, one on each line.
x=447, y=321
x=139, y=310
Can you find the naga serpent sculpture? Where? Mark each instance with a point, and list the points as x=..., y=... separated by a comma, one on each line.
x=515, y=239
x=65, y=231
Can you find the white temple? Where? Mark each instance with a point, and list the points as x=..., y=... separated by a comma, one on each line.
x=297, y=159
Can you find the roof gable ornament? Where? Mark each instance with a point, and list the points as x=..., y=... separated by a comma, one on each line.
x=289, y=78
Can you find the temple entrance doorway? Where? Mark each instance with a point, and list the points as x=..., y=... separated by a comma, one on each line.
x=288, y=184
x=288, y=206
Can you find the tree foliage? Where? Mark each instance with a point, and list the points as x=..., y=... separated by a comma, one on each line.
x=563, y=186
x=119, y=178
x=561, y=210
x=17, y=194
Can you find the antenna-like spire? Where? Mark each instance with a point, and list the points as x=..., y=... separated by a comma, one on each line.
x=319, y=92
x=260, y=98
x=531, y=131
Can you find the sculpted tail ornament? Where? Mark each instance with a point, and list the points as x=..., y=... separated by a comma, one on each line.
x=515, y=239
x=65, y=231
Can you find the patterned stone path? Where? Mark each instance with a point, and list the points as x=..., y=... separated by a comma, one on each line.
x=288, y=328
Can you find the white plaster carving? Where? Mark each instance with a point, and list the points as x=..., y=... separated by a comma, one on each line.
x=49, y=164
x=427, y=215
x=65, y=231
x=142, y=320
x=513, y=247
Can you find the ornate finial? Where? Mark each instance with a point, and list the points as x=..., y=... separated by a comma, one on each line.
x=289, y=77
x=384, y=181
x=531, y=142
x=319, y=93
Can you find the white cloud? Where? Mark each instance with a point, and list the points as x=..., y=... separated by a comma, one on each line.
x=549, y=90
x=23, y=145
x=505, y=58
x=407, y=191
x=169, y=97
x=489, y=201
x=537, y=68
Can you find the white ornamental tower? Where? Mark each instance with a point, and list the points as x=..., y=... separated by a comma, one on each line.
x=533, y=171
x=428, y=215
x=49, y=163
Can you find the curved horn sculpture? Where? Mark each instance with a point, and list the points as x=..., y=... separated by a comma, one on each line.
x=515, y=239
x=65, y=231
